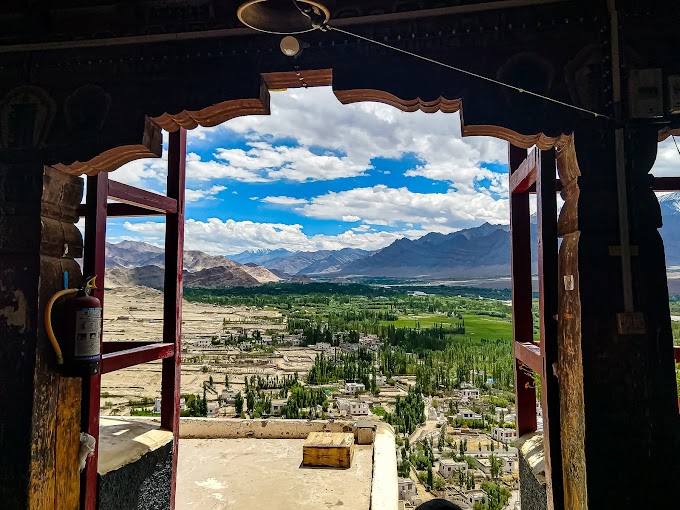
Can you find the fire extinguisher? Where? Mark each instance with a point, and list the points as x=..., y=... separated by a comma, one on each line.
x=78, y=323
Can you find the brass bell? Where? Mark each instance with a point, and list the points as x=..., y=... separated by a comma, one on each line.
x=283, y=16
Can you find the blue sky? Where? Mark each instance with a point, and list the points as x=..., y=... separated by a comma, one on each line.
x=316, y=174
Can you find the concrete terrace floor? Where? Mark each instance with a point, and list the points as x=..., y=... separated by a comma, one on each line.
x=246, y=474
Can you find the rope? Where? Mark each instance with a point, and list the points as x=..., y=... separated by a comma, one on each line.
x=469, y=73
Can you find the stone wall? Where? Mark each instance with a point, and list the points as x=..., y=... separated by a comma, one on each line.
x=531, y=457
x=143, y=484
x=233, y=428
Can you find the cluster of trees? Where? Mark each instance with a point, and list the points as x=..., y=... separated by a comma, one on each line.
x=303, y=402
x=256, y=403
x=259, y=383
x=196, y=406
x=409, y=412
x=352, y=366
x=498, y=496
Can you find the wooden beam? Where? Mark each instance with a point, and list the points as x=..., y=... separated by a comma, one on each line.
x=548, y=275
x=172, y=295
x=121, y=210
x=525, y=176
x=529, y=353
x=136, y=356
x=522, y=294
x=141, y=198
x=676, y=354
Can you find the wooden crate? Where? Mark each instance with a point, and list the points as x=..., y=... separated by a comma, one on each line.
x=328, y=449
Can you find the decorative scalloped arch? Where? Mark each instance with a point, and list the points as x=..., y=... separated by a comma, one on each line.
x=227, y=110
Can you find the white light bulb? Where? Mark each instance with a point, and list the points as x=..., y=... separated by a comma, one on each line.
x=290, y=46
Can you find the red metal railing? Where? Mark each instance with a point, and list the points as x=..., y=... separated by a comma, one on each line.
x=131, y=201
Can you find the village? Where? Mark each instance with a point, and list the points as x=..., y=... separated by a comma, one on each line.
x=241, y=363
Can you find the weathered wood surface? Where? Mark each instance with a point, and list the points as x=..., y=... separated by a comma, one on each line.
x=40, y=433
x=328, y=449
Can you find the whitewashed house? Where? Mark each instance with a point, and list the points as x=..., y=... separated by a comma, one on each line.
x=432, y=414
x=157, y=406
x=470, y=393
x=277, y=406
x=485, y=464
x=477, y=496
x=353, y=387
x=503, y=435
x=450, y=467
x=213, y=409
x=228, y=396
x=203, y=343
x=380, y=380
x=352, y=407
x=407, y=490
x=467, y=414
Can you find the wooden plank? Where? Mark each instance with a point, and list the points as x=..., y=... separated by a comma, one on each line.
x=68, y=444
x=94, y=263
x=522, y=294
x=135, y=356
x=525, y=176
x=666, y=184
x=530, y=355
x=121, y=210
x=172, y=294
x=548, y=308
x=141, y=198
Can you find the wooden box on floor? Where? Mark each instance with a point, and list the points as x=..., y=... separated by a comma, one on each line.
x=328, y=449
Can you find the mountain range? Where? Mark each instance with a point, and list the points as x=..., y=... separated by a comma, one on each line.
x=479, y=252
x=131, y=263
x=302, y=262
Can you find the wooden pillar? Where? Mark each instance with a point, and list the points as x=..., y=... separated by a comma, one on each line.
x=617, y=387
x=546, y=211
x=39, y=416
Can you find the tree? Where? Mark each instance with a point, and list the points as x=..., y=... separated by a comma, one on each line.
x=239, y=403
x=226, y=380
x=492, y=446
x=496, y=464
x=212, y=382
x=250, y=401
x=442, y=439
x=430, y=481
x=479, y=446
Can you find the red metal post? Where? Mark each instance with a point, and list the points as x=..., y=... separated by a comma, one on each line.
x=172, y=305
x=141, y=198
x=546, y=199
x=94, y=263
x=125, y=358
x=522, y=317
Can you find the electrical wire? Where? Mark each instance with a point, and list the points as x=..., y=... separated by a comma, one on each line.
x=469, y=73
x=676, y=143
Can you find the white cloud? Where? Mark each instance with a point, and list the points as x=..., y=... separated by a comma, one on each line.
x=194, y=195
x=228, y=237
x=284, y=200
x=667, y=162
x=363, y=131
x=381, y=205
x=270, y=162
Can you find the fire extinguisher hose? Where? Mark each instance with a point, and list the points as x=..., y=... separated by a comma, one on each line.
x=48, y=322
